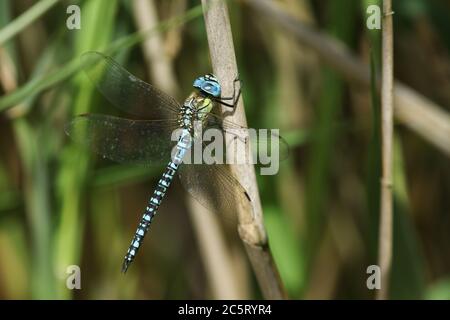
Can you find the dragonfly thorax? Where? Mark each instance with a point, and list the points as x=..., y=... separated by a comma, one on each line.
x=196, y=108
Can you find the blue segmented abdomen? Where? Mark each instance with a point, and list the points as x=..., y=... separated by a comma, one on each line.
x=184, y=143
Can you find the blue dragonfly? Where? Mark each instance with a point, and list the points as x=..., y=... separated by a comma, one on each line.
x=149, y=142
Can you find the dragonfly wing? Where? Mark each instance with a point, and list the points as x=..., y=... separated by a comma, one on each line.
x=214, y=187
x=257, y=141
x=122, y=140
x=125, y=91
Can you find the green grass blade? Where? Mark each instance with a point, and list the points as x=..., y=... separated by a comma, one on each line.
x=25, y=19
x=37, y=207
x=75, y=164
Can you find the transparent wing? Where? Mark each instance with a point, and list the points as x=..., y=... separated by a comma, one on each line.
x=214, y=187
x=125, y=91
x=146, y=142
x=261, y=143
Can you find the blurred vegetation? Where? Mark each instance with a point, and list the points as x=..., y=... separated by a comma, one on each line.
x=61, y=206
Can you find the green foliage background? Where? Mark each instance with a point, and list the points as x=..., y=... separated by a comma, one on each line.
x=61, y=206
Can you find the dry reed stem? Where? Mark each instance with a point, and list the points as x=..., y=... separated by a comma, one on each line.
x=222, y=278
x=251, y=227
x=412, y=109
x=160, y=69
x=387, y=100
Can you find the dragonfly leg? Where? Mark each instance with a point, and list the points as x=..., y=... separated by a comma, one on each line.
x=235, y=97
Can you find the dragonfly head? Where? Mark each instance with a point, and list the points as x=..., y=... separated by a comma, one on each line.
x=209, y=85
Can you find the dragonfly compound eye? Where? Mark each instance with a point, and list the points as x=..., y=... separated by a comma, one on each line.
x=208, y=85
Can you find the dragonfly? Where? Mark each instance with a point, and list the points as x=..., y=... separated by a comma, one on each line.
x=149, y=141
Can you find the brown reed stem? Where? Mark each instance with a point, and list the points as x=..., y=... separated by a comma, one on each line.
x=387, y=126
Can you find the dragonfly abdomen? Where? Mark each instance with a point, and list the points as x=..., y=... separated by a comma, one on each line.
x=182, y=146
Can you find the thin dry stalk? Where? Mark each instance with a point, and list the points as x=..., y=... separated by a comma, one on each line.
x=222, y=278
x=387, y=101
x=160, y=69
x=251, y=227
x=412, y=109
